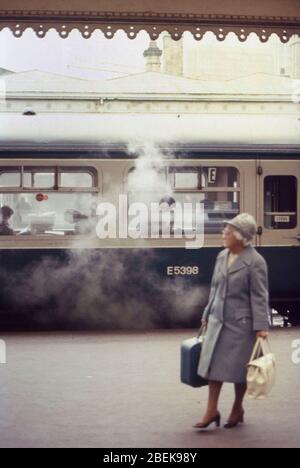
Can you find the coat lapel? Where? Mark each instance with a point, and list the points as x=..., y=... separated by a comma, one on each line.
x=242, y=261
x=223, y=263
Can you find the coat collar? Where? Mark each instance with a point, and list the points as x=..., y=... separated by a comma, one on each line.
x=243, y=260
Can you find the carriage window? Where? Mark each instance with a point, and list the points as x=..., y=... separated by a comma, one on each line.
x=41, y=179
x=40, y=208
x=218, y=207
x=185, y=178
x=70, y=178
x=280, y=202
x=56, y=214
x=220, y=177
x=10, y=178
x=217, y=188
x=188, y=180
x=203, y=177
x=45, y=177
x=147, y=178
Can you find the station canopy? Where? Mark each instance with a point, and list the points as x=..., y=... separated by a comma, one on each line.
x=264, y=17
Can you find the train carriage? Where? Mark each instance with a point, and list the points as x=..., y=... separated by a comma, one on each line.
x=55, y=170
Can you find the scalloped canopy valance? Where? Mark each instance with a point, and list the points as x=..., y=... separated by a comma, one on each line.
x=263, y=17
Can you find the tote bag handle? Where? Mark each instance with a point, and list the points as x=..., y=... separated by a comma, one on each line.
x=261, y=347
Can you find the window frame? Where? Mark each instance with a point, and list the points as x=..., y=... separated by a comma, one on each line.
x=19, y=240
x=57, y=170
x=201, y=189
x=195, y=168
x=271, y=214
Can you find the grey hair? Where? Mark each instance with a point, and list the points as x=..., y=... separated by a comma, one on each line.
x=240, y=237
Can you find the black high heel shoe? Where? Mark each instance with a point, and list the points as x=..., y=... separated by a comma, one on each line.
x=233, y=423
x=216, y=420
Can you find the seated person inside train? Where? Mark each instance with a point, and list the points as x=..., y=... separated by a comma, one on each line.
x=23, y=209
x=5, y=214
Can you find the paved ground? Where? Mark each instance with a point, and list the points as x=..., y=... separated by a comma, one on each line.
x=123, y=390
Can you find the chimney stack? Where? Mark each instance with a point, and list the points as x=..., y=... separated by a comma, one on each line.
x=152, y=55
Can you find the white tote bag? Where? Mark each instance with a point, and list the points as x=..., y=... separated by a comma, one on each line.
x=261, y=370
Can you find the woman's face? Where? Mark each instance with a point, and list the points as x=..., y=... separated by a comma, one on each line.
x=229, y=240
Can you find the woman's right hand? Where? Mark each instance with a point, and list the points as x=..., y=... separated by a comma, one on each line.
x=262, y=334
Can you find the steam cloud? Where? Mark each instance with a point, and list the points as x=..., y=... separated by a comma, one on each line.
x=107, y=288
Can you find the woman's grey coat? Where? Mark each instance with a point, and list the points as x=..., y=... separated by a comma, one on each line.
x=238, y=306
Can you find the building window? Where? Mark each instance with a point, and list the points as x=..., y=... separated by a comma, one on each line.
x=280, y=202
x=50, y=201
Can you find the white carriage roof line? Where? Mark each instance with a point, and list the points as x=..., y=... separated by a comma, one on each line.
x=121, y=150
x=36, y=83
x=130, y=129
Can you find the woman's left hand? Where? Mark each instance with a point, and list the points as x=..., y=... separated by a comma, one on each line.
x=262, y=334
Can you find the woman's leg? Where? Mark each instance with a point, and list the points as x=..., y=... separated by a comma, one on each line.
x=213, y=399
x=237, y=409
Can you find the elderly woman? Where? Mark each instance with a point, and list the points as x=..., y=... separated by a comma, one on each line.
x=237, y=312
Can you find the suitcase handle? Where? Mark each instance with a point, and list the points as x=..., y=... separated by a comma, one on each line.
x=201, y=331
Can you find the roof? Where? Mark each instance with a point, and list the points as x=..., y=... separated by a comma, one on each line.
x=39, y=83
x=5, y=71
x=264, y=83
x=36, y=81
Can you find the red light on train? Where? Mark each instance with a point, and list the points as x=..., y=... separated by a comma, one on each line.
x=39, y=197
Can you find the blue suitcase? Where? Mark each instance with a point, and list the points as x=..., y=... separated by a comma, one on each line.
x=190, y=355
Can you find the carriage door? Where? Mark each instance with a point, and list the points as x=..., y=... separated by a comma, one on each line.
x=279, y=202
